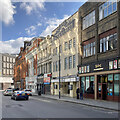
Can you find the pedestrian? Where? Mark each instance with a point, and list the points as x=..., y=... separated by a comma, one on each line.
x=77, y=92
x=81, y=94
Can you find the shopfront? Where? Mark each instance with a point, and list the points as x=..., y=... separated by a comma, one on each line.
x=68, y=86
x=101, y=80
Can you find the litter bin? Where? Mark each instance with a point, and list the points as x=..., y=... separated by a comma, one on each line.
x=39, y=92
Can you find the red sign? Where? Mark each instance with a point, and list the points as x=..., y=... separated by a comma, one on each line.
x=47, y=80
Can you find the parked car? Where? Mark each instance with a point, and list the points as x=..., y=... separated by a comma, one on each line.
x=28, y=91
x=18, y=95
x=8, y=92
x=15, y=89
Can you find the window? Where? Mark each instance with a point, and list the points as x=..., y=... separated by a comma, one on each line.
x=110, y=85
x=106, y=9
x=87, y=83
x=60, y=48
x=66, y=46
x=74, y=61
x=4, y=71
x=56, y=65
x=89, y=20
x=7, y=71
x=108, y=43
x=10, y=59
x=65, y=63
x=70, y=44
x=70, y=62
x=89, y=49
x=4, y=65
x=116, y=84
x=4, y=58
x=7, y=59
x=7, y=65
x=74, y=42
x=56, y=50
x=53, y=52
x=11, y=72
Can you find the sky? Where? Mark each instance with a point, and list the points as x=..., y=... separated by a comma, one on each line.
x=20, y=21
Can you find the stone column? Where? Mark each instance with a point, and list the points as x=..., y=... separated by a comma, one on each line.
x=95, y=89
x=96, y=32
x=118, y=28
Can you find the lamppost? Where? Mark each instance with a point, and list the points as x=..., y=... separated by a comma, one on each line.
x=59, y=63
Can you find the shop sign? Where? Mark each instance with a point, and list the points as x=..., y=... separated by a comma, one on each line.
x=98, y=67
x=47, y=80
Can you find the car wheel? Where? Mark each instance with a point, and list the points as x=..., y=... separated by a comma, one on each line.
x=27, y=98
x=16, y=98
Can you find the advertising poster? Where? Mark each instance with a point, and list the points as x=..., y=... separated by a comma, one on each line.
x=110, y=65
x=47, y=80
x=115, y=64
x=119, y=63
x=80, y=71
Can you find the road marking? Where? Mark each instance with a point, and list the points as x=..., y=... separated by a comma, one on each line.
x=41, y=100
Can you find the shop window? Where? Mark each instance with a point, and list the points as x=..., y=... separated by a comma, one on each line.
x=87, y=83
x=99, y=90
x=110, y=85
x=116, y=84
x=92, y=82
x=83, y=83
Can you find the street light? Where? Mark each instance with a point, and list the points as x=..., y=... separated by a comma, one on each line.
x=59, y=62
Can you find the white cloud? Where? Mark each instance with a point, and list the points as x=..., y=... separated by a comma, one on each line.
x=33, y=6
x=13, y=46
x=39, y=24
x=7, y=10
x=31, y=30
x=52, y=24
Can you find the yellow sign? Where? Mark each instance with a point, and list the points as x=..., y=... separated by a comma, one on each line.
x=98, y=66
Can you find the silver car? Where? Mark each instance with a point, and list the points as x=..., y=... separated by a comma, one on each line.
x=8, y=92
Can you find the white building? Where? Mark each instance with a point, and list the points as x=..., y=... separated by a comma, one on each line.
x=6, y=70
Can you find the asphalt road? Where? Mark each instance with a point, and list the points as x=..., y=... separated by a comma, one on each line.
x=37, y=107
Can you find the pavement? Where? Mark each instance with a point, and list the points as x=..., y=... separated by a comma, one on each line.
x=89, y=102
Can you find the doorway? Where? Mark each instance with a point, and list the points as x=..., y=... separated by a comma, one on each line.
x=102, y=87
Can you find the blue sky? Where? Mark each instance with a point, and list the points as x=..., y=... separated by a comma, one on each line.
x=22, y=21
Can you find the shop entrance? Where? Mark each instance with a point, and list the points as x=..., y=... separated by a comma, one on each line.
x=102, y=87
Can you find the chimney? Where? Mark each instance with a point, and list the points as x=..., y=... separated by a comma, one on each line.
x=21, y=49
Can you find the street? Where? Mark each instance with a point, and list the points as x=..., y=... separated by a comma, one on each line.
x=38, y=107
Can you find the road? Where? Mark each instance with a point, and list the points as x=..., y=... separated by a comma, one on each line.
x=37, y=107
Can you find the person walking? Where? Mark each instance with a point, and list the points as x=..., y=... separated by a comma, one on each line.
x=81, y=94
x=77, y=92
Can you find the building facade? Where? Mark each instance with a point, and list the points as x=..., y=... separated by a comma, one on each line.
x=20, y=68
x=99, y=35
x=31, y=62
x=7, y=62
x=44, y=66
x=65, y=43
